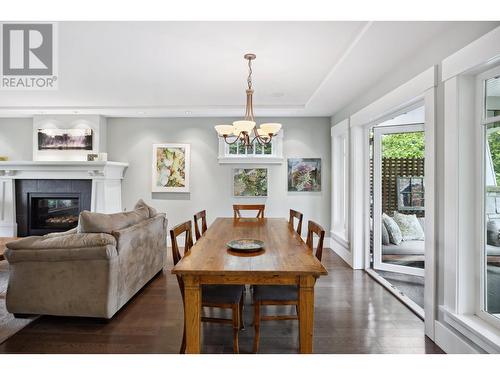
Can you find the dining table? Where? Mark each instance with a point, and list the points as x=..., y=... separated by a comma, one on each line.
x=284, y=259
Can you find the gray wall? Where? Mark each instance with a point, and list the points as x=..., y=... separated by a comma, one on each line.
x=130, y=140
x=16, y=136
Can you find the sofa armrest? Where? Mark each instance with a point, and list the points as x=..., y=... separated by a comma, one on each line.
x=153, y=231
x=81, y=246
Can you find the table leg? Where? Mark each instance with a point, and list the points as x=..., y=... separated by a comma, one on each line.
x=306, y=313
x=192, y=313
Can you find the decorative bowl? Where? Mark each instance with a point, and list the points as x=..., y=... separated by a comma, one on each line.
x=245, y=245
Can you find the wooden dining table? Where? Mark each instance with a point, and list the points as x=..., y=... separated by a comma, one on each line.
x=284, y=260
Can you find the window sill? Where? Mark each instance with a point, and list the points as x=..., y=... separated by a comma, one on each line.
x=481, y=333
x=250, y=160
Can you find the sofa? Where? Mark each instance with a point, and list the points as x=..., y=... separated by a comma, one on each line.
x=89, y=271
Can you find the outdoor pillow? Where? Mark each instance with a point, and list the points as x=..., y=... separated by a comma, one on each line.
x=385, y=235
x=409, y=226
x=395, y=235
x=493, y=233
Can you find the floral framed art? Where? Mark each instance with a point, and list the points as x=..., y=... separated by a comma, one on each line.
x=304, y=175
x=250, y=182
x=171, y=168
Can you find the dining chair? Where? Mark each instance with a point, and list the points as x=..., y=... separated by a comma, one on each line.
x=218, y=296
x=296, y=215
x=249, y=207
x=202, y=215
x=276, y=295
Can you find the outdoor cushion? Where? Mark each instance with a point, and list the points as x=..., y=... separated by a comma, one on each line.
x=493, y=232
x=392, y=227
x=492, y=250
x=275, y=292
x=405, y=248
x=221, y=293
x=385, y=235
x=409, y=226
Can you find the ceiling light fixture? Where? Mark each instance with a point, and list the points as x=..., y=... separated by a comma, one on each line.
x=242, y=129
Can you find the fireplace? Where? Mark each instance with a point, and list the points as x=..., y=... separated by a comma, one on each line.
x=52, y=212
x=46, y=206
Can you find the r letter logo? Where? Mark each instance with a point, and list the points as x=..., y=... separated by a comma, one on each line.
x=28, y=56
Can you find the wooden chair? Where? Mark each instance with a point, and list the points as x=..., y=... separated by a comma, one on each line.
x=296, y=215
x=219, y=296
x=249, y=207
x=197, y=216
x=282, y=294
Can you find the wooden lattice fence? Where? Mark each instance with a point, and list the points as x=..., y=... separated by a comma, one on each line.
x=391, y=169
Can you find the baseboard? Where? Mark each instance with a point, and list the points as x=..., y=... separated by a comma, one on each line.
x=451, y=342
x=341, y=248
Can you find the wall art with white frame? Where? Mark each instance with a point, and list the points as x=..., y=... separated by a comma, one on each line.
x=171, y=168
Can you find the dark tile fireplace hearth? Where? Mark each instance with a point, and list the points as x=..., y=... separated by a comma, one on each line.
x=45, y=206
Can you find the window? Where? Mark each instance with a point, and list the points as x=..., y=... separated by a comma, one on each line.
x=489, y=301
x=340, y=183
x=237, y=153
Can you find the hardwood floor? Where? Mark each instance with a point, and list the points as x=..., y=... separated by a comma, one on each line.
x=353, y=314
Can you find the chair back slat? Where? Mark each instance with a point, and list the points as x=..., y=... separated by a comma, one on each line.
x=296, y=215
x=249, y=207
x=315, y=229
x=202, y=215
x=188, y=243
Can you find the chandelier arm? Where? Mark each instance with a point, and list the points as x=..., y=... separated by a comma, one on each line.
x=232, y=143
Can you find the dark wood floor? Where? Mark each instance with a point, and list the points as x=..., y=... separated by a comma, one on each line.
x=353, y=314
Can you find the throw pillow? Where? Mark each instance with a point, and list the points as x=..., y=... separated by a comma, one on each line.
x=395, y=235
x=93, y=222
x=152, y=210
x=385, y=235
x=410, y=227
x=493, y=233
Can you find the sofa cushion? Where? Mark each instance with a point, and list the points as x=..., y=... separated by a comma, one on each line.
x=152, y=211
x=409, y=226
x=385, y=235
x=493, y=232
x=405, y=248
x=93, y=222
x=395, y=235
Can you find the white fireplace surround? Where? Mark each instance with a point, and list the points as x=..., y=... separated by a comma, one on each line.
x=106, y=179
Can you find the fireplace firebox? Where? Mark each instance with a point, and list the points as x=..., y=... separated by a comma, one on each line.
x=52, y=212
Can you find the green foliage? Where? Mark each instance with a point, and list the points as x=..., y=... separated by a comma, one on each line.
x=403, y=145
x=494, y=143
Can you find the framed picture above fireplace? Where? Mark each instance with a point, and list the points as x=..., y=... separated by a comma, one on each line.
x=65, y=139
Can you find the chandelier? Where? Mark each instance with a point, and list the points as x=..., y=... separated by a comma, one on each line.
x=242, y=130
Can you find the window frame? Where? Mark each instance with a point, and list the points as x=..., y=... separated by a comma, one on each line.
x=484, y=121
x=276, y=156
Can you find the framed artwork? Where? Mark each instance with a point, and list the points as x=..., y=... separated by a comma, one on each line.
x=410, y=193
x=304, y=175
x=171, y=167
x=250, y=182
x=64, y=139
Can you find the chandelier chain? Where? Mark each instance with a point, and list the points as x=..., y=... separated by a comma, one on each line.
x=249, y=79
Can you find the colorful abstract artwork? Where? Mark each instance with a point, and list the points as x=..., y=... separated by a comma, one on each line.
x=304, y=175
x=171, y=164
x=251, y=182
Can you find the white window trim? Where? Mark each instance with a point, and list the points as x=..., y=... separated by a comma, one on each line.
x=275, y=158
x=461, y=176
x=340, y=189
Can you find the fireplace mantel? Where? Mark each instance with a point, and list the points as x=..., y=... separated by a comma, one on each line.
x=62, y=169
x=106, y=179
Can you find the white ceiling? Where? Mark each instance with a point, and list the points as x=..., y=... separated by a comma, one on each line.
x=197, y=68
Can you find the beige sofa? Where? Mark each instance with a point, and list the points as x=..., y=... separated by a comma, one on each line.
x=90, y=271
